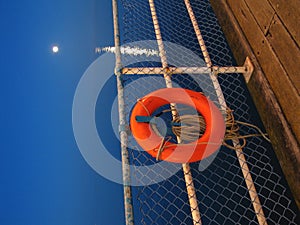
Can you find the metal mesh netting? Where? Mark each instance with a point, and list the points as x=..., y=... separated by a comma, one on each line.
x=221, y=190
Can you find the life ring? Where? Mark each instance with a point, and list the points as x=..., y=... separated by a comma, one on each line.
x=150, y=141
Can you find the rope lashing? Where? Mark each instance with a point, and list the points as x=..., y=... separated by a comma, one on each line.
x=190, y=127
x=161, y=147
x=232, y=131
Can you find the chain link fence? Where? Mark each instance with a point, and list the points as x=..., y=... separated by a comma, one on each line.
x=222, y=193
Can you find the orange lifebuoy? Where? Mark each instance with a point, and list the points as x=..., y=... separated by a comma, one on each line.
x=150, y=141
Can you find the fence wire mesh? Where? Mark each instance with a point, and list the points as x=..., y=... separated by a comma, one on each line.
x=160, y=192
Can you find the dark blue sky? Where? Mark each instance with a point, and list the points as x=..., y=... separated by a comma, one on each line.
x=43, y=177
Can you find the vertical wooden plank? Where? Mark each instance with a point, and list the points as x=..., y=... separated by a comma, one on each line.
x=283, y=139
x=286, y=50
x=289, y=13
x=284, y=90
x=263, y=13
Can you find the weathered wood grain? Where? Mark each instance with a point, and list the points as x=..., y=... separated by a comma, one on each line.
x=283, y=139
x=262, y=12
x=288, y=11
x=277, y=76
x=286, y=50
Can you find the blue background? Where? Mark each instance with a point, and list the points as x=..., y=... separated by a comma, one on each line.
x=43, y=177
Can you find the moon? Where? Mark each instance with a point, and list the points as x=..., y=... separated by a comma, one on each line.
x=55, y=49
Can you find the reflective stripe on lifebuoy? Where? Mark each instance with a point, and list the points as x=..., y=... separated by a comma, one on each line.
x=206, y=145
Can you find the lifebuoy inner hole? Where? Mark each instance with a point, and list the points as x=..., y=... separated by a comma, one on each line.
x=189, y=124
